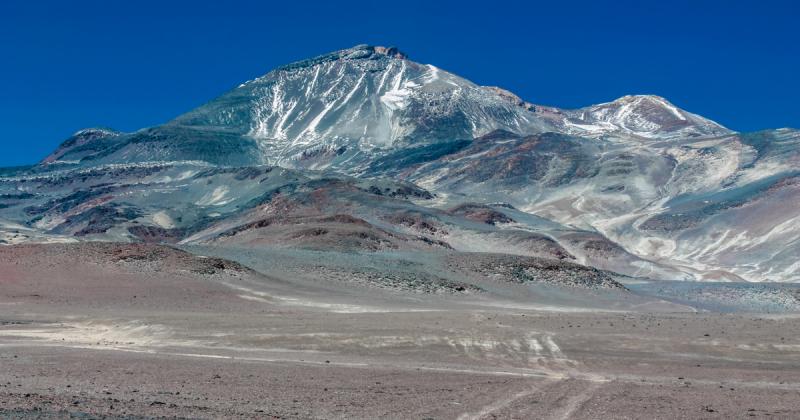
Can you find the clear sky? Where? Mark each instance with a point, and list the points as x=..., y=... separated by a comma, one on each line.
x=67, y=65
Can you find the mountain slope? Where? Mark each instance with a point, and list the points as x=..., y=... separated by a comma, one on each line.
x=704, y=206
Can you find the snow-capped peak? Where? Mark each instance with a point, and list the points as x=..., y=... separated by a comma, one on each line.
x=96, y=132
x=359, y=52
x=360, y=99
x=645, y=116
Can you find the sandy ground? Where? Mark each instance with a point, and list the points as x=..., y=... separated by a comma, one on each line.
x=91, y=333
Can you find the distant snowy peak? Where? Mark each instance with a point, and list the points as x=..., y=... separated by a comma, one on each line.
x=646, y=116
x=96, y=132
x=361, y=99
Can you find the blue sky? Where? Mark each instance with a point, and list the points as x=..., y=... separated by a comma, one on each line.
x=128, y=65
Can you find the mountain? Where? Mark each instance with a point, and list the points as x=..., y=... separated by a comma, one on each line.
x=364, y=150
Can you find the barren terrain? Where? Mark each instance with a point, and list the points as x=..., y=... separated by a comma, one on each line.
x=139, y=331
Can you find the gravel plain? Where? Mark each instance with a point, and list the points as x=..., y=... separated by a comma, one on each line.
x=142, y=331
